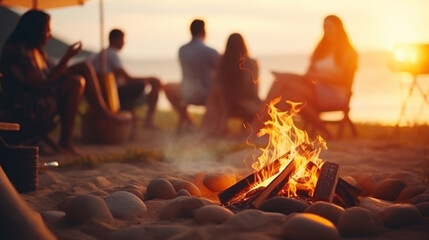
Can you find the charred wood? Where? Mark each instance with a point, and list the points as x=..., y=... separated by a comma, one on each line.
x=275, y=186
x=327, y=182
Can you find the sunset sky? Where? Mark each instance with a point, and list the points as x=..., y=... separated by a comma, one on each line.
x=155, y=29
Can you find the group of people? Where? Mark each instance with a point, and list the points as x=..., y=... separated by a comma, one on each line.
x=227, y=84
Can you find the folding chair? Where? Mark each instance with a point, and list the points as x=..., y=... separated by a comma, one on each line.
x=343, y=120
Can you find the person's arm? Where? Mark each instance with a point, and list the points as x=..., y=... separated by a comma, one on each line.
x=18, y=220
x=330, y=76
x=61, y=67
x=115, y=63
x=344, y=75
x=122, y=73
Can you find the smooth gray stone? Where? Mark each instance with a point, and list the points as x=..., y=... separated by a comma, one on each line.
x=212, y=214
x=218, y=182
x=389, y=189
x=420, y=198
x=52, y=216
x=144, y=232
x=183, y=192
x=188, y=186
x=83, y=208
x=123, y=204
x=160, y=188
x=357, y=222
x=180, y=207
x=251, y=219
x=410, y=192
x=327, y=210
x=400, y=215
x=423, y=207
x=309, y=226
x=366, y=183
x=374, y=205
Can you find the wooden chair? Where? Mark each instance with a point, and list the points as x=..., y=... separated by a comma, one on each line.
x=343, y=120
x=98, y=130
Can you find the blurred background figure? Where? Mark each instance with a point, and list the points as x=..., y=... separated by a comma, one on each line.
x=198, y=62
x=326, y=84
x=35, y=89
x=235, y=90
x=132, y=91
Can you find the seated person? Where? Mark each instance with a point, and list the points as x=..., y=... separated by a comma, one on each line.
x=36, y=90
x=131, y=90
x=235, y=91
x=327, y=83
x=198, y=62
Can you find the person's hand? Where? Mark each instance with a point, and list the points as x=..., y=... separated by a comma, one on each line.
x=74, y=49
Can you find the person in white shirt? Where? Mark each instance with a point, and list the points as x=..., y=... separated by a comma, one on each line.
x=198, y=63
x=131, y=89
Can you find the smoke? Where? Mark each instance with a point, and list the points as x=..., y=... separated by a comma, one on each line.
x=194, y=153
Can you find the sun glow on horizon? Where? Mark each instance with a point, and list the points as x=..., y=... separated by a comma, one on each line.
x=156, y=29
x=281, y=34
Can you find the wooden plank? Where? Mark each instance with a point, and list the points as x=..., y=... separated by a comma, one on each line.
x=327, y=182
x=346, y=195
x=275, y=186
x=9, y=126
x=246, y=183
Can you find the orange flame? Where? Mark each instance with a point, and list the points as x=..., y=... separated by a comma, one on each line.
x=285, y=143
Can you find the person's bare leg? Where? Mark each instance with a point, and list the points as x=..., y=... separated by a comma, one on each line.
x=215, y=119
x=72, y=90
x=92, y=90
x=18, y=220
x=172, y=91
x=155, y=85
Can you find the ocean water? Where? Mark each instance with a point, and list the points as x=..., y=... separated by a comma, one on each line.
x=378, y=92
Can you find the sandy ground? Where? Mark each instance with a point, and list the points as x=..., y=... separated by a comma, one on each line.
x=157, y=153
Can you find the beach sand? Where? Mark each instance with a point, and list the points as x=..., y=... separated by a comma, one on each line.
x=105, y=169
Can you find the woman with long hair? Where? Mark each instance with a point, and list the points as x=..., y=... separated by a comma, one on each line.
x=35, y=89
x=235, y=91
x=325, y=85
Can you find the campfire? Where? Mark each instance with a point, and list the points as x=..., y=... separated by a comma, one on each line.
x=289, y=166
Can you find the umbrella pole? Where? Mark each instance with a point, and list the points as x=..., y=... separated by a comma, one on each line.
x=102, y=53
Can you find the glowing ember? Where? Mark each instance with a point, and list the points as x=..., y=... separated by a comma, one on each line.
x=286, y=142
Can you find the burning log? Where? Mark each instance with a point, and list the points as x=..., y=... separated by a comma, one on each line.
x=330, y=187
x=304, y=177
x=327, y=182
x=243, y=186
x=275, y=186
x=346, y=195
